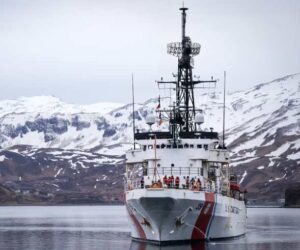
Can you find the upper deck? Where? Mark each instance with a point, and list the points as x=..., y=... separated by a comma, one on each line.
x=182, y=135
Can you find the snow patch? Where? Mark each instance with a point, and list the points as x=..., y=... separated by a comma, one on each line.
x=294, y=156
x=279, y=151
x=277, y=178
x=243, y=177
x=2, y=158
x=58, y=172
x=82, y=165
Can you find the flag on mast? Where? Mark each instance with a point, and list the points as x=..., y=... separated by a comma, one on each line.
x=158, y=106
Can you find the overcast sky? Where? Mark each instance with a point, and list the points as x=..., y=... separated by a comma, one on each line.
x=84, y=51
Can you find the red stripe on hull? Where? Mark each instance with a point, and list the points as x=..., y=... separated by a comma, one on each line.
x=199, y=231
x=139, y=228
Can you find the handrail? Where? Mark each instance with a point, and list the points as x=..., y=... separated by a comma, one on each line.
x=137, y=185
x=188, y=171
x=133, y=185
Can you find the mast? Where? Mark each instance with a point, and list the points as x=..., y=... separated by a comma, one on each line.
x=224, y=92
x=133, y=111
x=183, y=20
x=183, y=112
x=185, y=79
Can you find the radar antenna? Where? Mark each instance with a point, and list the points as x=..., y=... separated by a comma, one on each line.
x=182, y=117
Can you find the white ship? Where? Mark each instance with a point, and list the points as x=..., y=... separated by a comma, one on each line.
x=178, y=186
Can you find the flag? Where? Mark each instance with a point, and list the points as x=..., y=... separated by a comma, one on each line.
x=158, y=106
x=160, y=120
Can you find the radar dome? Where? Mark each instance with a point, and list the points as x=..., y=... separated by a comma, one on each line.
x=199, y=118
x=150, y=119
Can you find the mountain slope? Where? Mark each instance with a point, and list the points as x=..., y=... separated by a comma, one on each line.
x=263, y=130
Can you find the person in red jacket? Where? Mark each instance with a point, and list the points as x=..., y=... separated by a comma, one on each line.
x=177, y=182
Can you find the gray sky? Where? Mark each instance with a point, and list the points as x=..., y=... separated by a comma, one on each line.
x=84, y=51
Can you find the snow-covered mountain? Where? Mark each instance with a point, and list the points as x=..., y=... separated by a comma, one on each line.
x=253, y=117
x=263, y=127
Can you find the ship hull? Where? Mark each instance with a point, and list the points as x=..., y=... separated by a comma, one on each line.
x=166, y=215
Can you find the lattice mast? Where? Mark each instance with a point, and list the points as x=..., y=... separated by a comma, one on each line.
x=183, y=114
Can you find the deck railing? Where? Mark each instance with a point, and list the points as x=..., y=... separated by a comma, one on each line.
x=137, y=184
x=188, y=179
x=180, y=171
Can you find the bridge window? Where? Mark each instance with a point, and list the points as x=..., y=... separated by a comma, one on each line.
x=174, y=146
x=186, y=145
x=168, y=146
x=150, y=146
x=180, y=146
x=199, y=146
x=163, y=145
x=191, y=145
x=205, y=146
x=144, y=147
x=158, y=146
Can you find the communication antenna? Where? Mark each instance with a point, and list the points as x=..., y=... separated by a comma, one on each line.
x=184, y=111
x=224, y=91
x=133, y=110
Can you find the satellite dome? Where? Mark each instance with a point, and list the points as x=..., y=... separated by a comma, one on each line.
x=150, y=119
x=199, y=118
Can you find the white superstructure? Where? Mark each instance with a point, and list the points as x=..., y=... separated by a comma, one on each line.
x=178, y=185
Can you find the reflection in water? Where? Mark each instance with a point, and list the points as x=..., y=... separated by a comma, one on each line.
x=63, y=240
x=106, y=227
x=146, y=246
x=218, y=246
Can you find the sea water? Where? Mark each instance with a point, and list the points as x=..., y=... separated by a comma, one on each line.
x=106, y=227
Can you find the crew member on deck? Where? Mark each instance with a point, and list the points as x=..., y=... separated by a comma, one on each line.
x=169, y=182
x=187, y=182
x=177, y=182
x=198, y=185
x=172, y=181
x=142, y=182
x=165, y=180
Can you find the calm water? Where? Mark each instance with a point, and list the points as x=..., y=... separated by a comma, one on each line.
x=105, y=227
